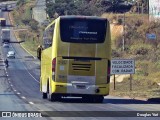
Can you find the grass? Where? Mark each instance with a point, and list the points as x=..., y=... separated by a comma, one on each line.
x=144, y=82
x=140, y=88
x=31, y=46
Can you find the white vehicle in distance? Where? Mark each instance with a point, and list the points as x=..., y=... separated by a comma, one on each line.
x=11, y=54
x=6, y=45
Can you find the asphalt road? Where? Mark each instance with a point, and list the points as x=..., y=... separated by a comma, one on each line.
x=23, y=72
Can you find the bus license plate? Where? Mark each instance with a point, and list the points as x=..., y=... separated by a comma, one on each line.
x=81, y=86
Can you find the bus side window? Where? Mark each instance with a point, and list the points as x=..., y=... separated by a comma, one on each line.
x=48, y=37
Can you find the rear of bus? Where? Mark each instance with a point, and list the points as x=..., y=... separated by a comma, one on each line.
x=81, y=63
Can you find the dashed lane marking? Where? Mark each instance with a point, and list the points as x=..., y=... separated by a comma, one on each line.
x=18, y=93
x=31, y=103
x=31, y=75
x=23, y=97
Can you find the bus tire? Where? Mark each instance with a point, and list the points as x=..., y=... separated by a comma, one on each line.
x=50, y=97
x=88, y=98
x=55, y=97
x=49, y=94
x=98, y=99
x=44, y=95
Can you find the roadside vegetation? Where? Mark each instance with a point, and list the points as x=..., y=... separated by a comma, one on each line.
x=27, y=29
x=84, y=7
x=145, y=52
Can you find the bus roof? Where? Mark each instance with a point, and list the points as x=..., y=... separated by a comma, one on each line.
x=81, y=17
x=75, y=17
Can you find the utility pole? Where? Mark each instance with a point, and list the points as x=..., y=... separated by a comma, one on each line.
x=123, y=31
x=142, y=9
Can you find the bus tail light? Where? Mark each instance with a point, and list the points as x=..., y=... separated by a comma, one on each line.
x=53, y=68
x=108, y=71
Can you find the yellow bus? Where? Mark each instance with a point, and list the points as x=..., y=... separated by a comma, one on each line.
x=75, y=60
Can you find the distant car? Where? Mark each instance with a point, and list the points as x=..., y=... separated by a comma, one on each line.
x=6, y=45
x=11, y=54
x=9, y=6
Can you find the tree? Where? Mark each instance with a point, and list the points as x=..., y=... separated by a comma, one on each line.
x=21, y=2
x=76, y=7
x=84, y=7
x=34, y=24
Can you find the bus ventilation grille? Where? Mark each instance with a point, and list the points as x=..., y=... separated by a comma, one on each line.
x=81, y=67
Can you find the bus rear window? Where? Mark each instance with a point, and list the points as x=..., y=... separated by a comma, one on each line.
x=83, y=30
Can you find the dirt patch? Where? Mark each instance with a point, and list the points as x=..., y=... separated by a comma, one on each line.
x=119, y=78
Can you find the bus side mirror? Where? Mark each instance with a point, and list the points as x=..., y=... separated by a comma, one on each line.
x=39, y=52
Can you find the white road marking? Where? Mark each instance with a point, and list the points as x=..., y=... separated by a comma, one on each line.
x=27, y=71
x=31, y=75
x=26, y=68
x=23, y=97
x=31, y=103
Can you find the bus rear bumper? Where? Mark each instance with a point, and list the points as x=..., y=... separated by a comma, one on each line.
x=82, y=89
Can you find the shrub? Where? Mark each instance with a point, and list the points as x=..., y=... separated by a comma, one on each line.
x=21, y=2
x=34, y=24
x=142, y=49
x=25, y=21
x=120, y=21
x=22, y=35
x=115, y=53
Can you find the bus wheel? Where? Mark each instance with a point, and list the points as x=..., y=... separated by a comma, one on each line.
x=55, y=97
x=49, y=97
x=88, y=98
x=98, y=99
x=44, y=95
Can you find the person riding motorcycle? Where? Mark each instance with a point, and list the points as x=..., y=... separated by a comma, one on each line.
x=6, y=62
